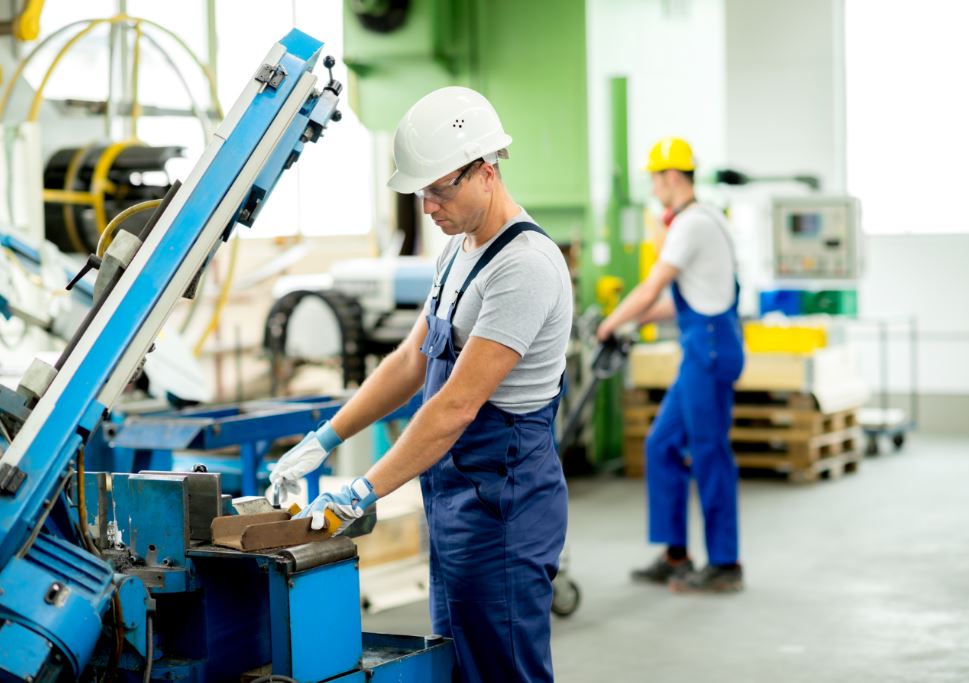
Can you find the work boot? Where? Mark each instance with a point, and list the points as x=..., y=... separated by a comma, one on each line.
x=663, y=569
x=710, y=579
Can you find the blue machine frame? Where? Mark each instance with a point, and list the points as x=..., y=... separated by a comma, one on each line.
x=73, y=545
x=253, y=427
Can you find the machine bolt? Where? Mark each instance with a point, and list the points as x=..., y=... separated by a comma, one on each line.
x=56, y=594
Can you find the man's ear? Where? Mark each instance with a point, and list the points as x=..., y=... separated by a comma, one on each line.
x=490, y=176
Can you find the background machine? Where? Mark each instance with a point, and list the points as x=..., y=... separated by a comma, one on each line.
x=107, y=575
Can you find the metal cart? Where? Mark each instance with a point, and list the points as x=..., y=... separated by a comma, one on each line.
x=883, y=420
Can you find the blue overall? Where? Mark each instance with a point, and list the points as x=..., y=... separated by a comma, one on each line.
x=496, y=508
x=695, y=418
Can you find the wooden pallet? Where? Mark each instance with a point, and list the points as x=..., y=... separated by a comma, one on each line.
x=802, y=458
x=780, y=432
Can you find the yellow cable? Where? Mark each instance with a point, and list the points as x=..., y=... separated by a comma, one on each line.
x=105, y=240
x=223, y=298
x=66, y=197
x=90, y=25
x=70, y=177
x=100, y=185
x=39, y=95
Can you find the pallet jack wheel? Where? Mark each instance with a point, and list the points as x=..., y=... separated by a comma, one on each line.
x=565, y=597
x=898, y=440
x=871, y=448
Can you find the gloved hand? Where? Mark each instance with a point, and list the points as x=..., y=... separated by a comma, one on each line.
x=349, y=504
x=303, y=458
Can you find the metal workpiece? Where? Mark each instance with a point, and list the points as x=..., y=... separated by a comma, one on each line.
x=310, y=555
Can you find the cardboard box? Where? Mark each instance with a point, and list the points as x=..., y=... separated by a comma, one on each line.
x=394, y=538
x=832, y=375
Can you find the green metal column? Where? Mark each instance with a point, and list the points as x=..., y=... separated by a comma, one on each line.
x=622, y=233
x=535, y=78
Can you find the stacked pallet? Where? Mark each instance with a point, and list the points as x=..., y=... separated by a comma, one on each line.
x=782, y=432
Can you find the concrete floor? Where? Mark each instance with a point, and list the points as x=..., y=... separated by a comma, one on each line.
x=861, y=579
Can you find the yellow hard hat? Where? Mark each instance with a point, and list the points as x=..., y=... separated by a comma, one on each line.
x=670, y=154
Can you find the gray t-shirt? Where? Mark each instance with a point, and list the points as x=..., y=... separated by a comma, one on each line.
x=523, y=300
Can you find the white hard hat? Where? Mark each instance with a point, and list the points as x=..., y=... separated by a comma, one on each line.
x=442, y=132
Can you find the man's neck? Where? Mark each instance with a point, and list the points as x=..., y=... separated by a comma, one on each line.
x=501, y=210
x=682, y=199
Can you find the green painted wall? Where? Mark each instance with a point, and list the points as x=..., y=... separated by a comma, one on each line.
x=391, y=71
x=528, y=60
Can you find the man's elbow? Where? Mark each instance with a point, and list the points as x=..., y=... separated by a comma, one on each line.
x=459, y=410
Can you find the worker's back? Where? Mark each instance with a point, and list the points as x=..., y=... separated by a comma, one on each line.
x=699, y=246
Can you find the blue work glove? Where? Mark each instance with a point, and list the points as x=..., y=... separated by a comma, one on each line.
x=348, y=504
x=303, y=458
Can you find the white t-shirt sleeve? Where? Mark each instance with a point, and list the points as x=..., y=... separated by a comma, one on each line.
x=681, y=245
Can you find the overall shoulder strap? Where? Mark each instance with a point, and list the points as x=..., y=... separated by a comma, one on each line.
x=441, y=279
x=493, y=250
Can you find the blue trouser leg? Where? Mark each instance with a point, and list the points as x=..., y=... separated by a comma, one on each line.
x=494, y=553
x=707, y=410
x=440, y=617
x=667, y=476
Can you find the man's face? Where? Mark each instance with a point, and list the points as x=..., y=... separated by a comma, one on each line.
x=458, y=201
x=662, y=188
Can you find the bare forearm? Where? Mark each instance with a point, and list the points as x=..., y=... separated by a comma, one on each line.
x=664, y=309
x=639, y=301
x=432, y=432
x=633, y=307
x=391, y=385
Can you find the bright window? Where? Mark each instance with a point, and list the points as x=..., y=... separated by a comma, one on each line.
x=329, y=191
x=907, y=113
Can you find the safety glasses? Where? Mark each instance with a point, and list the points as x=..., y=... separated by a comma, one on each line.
x=439, y=194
